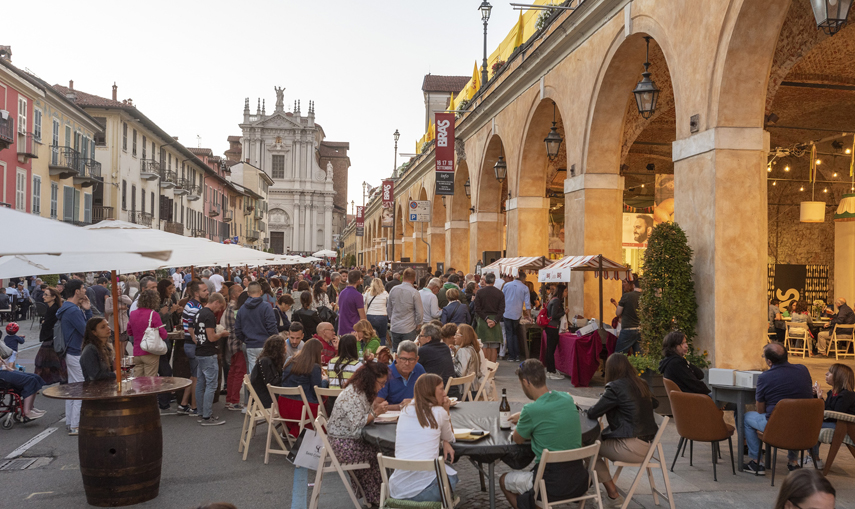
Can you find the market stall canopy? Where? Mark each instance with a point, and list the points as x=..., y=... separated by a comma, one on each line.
x=28, y=234
x=559, y=272
x=512, y=266
x=325, y=253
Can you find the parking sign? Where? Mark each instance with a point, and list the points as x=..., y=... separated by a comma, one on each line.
x=419, y=211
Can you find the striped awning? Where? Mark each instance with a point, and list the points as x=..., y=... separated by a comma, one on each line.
x=512, y=266
x=559, y=272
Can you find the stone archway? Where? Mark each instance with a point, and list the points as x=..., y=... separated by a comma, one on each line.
x=397, y=251
x=279, y=224
x=436, y=231
x=489, y=220
x=457, y=225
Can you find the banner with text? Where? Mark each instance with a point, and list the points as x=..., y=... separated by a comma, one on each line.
x=388, y=190
x=444, y=154
x=360, y=221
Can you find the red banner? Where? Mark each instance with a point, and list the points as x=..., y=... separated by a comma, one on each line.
x=387, y=189
x=360, y=221
x=444, y=154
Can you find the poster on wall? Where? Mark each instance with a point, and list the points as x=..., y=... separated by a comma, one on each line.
x=360, y=221
x=556, y=228
x=444, y=154
x=663, y=211
x=636, y=229
x=388, y=192
x=789, y=283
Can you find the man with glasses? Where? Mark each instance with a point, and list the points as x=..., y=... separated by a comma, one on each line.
x=329, y=341
x=435, y=356
x=403, y=374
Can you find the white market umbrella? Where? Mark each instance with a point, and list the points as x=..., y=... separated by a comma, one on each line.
x=325, y=253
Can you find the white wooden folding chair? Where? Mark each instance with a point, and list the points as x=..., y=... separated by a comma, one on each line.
x=328, y=463
x=547, y=456
x=437, y=465
x=654, y=459
x=255, y=415
x=465, y=381
x=797, y=332
x=320, y=393
x=276, y=418
x=841, y=334
x=489, y=381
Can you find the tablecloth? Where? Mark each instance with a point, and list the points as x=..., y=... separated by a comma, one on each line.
x=578, y=356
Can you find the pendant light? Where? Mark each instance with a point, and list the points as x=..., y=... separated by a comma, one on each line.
x=812, y=211
x=646, y=92
x=553, y=139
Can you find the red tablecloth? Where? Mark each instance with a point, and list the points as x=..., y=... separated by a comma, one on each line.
x=577, y=356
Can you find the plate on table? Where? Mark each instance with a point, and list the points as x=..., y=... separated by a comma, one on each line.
x=453, y=401
x=389, y=417
x=465, y=435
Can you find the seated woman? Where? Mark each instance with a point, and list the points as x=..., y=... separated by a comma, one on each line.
x=469, y=357
x=628, y=404
x=27, y=385
x=800, y=315
x=354, y=409
x=268, y=368
x=302, y=370
x=426, y=423
x=306, y=315
x=840, y=398
x=447, y=334
x=455, y=312
x=676, y=368
x=346, y=363
x=368, y=342
x=96, y=359
x=283, y=305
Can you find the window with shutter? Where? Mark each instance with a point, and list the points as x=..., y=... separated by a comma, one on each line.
x=22, y=115
x=87, y=208
x=67, y=203
x=124, y=136
x=37, y=124
x=54, y=199
x=76, y=205
x=54, y=141
x=21, y=191
x=37, y=195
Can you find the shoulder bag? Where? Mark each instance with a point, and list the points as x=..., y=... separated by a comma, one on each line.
x=151, y=341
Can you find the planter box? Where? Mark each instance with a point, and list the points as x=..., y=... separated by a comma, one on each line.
x=657, y=386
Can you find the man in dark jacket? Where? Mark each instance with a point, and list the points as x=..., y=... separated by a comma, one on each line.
x=255, y=322
x=489, y=309
x=435, y=356
x=845, y=316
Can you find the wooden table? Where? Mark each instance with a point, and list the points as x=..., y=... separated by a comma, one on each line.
x=740, y=396
x=121, y=442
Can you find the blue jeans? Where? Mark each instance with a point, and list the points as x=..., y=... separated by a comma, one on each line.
x=627, y=339
x=206, y=384
x=432, y=493
x=511, y=337
x=190, y=352
x=757, y=422
x=380, y=323
x=397, y=337
x=251, y=357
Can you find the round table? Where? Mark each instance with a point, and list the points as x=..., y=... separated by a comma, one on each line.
x=121, y=442
x=496, y=446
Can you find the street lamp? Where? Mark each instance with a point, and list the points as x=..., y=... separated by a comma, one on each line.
x=553, y=139
x=830, y=14
x=395, y=135
x=485, y=9
x=646, y=92
x=501, y=169
x=468, y=188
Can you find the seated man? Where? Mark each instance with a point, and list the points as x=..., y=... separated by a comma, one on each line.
x=782, y=381
x=435, y=356
x=845, y=316
x=403, y=374
x=550, y=422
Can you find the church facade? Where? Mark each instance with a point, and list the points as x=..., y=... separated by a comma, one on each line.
x=303, y=203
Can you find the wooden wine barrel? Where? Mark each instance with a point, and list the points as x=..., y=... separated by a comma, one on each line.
x=120, y=448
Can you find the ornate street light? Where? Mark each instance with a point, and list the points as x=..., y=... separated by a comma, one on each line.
x=485, y=9
x=830, y=14
x=553, y=139
x=646, y=92
x=501, y=169
x=468, y=188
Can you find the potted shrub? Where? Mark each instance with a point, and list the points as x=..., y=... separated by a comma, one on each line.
x=667, y=304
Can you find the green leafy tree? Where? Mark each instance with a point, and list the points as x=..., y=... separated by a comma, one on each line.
x=668, y=299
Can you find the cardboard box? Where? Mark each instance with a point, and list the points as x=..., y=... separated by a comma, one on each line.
x=720, y=376
x=746, y=378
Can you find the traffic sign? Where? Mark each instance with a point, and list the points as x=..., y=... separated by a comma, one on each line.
x=420, y=211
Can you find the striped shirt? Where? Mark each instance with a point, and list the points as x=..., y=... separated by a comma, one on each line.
x=191, y=309
x=346, y=372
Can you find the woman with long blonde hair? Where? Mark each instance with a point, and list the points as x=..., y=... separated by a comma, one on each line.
x=469, y=358
x=375, y=308
x=426, y=423
x=368, y=342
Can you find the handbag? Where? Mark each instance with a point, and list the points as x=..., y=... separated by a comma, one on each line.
x=306, y=451
x=151, y=341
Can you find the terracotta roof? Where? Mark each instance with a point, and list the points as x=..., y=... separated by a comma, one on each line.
x=233, y=138
x=201, y=151
x=84, y=99
x=436, y=83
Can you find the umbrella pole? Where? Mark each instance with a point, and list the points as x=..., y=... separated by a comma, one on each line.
x=229, y=272
x=602, y=330
x=117, y=343
x=192, y=272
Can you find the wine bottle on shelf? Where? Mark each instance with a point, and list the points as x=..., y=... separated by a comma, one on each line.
x=504, y=411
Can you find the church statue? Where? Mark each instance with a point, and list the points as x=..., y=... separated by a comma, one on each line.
x=329, y=171
x=280, y=102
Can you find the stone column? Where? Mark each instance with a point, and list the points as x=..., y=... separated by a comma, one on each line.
x=419, y=247
x=592, y=226
x=436, y=237
x=457, y=245
x=720, y=200
x=295, y=236
x=528, y=226
x=328, y=228
x=485, y=234
x=307, y=227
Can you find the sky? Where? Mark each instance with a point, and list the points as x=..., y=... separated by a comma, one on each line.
x=188, y=65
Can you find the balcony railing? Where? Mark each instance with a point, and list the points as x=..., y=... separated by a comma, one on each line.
x=89, y=174
x=7, y=132
x=252, y=235
x=228, y=216
x=167, y=178
x=149, y=169
x=249, y=207
x=194, y=192
x=213, y=210
x=181, y=187
x=102, y=213
x=197, y=232
x=64, y=162
x=141, y=218
x=176, y=228
x=28, y=146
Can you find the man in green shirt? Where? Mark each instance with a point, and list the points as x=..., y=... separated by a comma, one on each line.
x=551, y=422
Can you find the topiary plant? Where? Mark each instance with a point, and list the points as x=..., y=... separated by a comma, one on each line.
x=668, y=298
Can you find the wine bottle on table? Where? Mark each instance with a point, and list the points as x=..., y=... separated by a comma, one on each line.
x=504, y=411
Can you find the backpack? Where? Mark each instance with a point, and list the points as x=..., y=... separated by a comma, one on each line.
x=59, y=345
x=542, y=317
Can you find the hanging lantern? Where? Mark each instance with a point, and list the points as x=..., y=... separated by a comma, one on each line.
x=646, y=92
x=830, y=14
x=846, y=209
x=812, y=212
x=468, y=188
x=553, y=139
x=501, y=169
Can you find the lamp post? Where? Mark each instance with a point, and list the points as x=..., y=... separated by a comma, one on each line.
x=485, y=9
x=396, y=135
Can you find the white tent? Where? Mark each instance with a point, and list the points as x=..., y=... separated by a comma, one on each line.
x=325, y=253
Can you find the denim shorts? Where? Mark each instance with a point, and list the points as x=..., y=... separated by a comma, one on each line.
x=190, y=352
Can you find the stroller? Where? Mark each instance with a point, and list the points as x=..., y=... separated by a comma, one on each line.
x=11, y=406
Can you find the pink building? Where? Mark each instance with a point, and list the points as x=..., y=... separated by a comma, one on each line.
x=17, y=144
x=215, y=196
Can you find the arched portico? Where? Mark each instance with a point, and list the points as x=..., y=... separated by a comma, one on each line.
x=457, y=225
x=488, y=222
